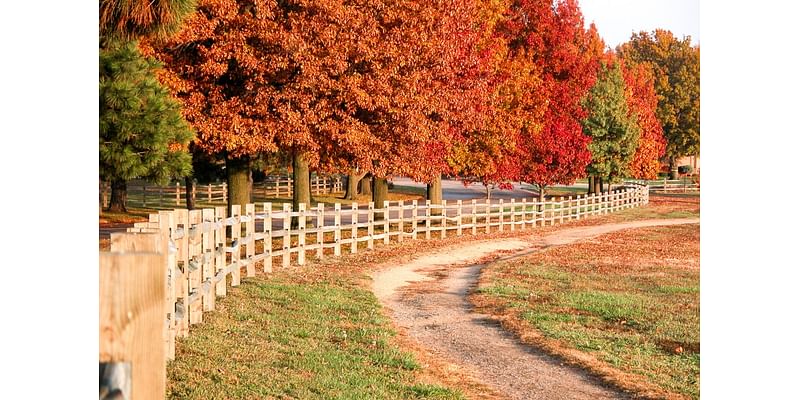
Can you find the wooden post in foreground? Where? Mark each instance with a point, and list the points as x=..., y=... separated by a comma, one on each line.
x=132, y=302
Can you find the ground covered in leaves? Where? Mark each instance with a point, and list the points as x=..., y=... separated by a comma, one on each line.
x=625, y=305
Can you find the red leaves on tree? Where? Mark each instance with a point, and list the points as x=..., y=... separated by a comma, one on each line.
x=642, y=100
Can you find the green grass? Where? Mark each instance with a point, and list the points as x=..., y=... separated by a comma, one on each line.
x=640, y=316
x=281, y=338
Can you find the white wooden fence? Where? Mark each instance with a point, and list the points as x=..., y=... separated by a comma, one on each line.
x=147, y=195
x=672, y=186
x=204, y=257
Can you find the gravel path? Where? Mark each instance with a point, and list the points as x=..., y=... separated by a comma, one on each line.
x=427, y=298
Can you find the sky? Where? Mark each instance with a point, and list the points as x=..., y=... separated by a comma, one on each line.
x=617, y=19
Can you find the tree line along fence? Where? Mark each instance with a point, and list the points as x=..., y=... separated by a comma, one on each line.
x=160, y=277
x=147, y=195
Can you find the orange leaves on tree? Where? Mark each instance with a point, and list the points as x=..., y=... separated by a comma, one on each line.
x=642, y=100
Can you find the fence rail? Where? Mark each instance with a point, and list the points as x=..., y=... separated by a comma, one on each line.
x=207, y=250
x=673, y=186
x=144, y=194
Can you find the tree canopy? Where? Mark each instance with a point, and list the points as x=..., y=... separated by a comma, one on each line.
x=676, y=68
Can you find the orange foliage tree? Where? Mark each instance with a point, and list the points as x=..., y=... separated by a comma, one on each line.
x=643, y=102
x=337, y=84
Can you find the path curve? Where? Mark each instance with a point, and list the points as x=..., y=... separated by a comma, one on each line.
x=436, y=313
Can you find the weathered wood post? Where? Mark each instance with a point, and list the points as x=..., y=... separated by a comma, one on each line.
x=220, y=238
x=132, y=303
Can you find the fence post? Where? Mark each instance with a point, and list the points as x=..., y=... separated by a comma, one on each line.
x=354, y=229
x=337, y=234
x=444, y=219
x=427, y=219
x=181, y=283
x=196, y=262
x=219, y=249
x=320, y=233
x=250, y=243
x=524, y=212
x=385, y=222
x=488, y=211
x=287, y=238
x=401, y=224
x=561, y=209
x=474, y=217
x=502, y=211
x=301, y=234
x=209, y=258
x=236, y=235
x=371, y=226
x=512, y=219
x=267, y=248
x=414, y=212
x=459, y=230
x=131, y=316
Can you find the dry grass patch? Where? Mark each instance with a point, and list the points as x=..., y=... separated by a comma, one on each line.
x=625, y=305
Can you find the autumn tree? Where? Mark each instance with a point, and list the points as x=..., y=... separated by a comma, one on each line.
x=676, y=67
x=339, y=85
x=142, y=132
x=551, y=35
x=611, y=126
x=642, y=101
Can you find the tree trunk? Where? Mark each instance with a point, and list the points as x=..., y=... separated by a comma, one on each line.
x=189, y=192
x=380, y=193
x=366, y=185
x=673, y=168
x=353, y=179
x=591, y=185
x=240, y=181
x=540, y=206
x=488, y=191
x=302, y=183
x=119, y=196
x=434, y=193
x=599, y=185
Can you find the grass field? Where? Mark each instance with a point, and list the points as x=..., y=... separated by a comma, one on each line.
x=315, y=331
x=625, y=306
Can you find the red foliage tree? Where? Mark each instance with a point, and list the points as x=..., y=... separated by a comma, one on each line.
x=642, y=100
x=553, y=37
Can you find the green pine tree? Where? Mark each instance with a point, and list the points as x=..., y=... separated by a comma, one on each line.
x=611, y=126
x=142, y=132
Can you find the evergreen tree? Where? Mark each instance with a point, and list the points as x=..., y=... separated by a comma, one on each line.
x=142, y=131
x=131, y=19
x=613, y=129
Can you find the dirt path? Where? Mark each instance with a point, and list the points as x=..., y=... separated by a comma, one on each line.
x=427, y=298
